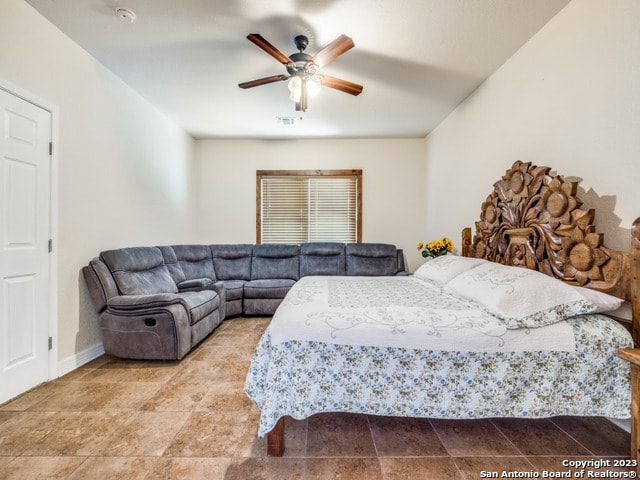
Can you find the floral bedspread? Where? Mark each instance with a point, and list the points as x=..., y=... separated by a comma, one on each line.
x=402, y=356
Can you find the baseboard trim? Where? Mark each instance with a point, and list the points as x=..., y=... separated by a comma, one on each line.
x=69, y=364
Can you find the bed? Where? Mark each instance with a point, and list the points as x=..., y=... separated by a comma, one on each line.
x=519, y=325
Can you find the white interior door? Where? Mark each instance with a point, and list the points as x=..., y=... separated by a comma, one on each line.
x=25, y=199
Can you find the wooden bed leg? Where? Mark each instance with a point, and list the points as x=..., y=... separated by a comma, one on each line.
x=275, y=440
x=632, y=355
x=635, y=411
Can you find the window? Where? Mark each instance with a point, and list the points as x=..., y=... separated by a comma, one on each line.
x=297, y=206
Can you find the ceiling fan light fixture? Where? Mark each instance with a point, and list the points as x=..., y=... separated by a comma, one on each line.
x=296, y=83
x=295, y=87
x=313, y=86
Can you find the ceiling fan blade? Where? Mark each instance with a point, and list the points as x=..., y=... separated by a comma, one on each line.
x=267, y=47
x=262, y=81
x=333, y=50
x=342, y=85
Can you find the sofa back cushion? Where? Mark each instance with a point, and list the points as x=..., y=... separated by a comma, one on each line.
x=322, y=258
x=371, y=259
x=272, y=261
x=171, y=261
x=139, y=270
x=232, y=261
x=195, y=261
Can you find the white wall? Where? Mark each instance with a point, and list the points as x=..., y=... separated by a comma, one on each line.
x=569, y=99
x=127, y=175
x=124, y=169
x=392, y=176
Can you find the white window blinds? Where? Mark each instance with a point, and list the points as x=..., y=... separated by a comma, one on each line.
x=298, y=208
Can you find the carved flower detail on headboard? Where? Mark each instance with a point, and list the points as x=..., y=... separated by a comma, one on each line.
x=520, y=186
x=581, y=253
x=534, y=220
x=489, y=219
x=559, y=202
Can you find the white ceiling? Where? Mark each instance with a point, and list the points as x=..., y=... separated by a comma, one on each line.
x=417, y=59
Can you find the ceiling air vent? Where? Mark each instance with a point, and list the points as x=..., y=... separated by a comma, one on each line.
x=286, y=120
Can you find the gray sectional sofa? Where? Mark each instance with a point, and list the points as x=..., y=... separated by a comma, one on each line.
x=159, y=302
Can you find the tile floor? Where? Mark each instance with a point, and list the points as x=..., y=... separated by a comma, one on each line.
x=191, y=420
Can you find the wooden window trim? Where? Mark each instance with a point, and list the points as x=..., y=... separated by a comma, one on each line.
x=307, y=174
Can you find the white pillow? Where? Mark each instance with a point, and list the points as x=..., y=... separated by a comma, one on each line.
x=445, y=268
x=603, y=301
x=522, y=298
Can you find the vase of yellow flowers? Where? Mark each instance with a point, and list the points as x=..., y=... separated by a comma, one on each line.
x=435, y=248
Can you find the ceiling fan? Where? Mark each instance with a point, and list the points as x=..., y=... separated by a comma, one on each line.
x=302, y=68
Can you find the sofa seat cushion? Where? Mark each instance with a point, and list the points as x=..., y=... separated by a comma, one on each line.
x=234, y=289
x=267, y=288
x=200, y=304
x=197, y=304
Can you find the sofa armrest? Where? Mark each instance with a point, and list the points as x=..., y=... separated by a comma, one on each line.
x=100, y=283
x=146, y=330
x=218, y=287
x=139, y=302
x=194, y=284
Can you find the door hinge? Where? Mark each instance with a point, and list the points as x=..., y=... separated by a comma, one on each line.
x=50, y=245
x=50, y=343
x=50, y=148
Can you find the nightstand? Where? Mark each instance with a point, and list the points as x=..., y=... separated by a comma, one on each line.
x=632, y=355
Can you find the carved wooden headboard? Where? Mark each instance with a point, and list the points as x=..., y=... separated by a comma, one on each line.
x=534, y=220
